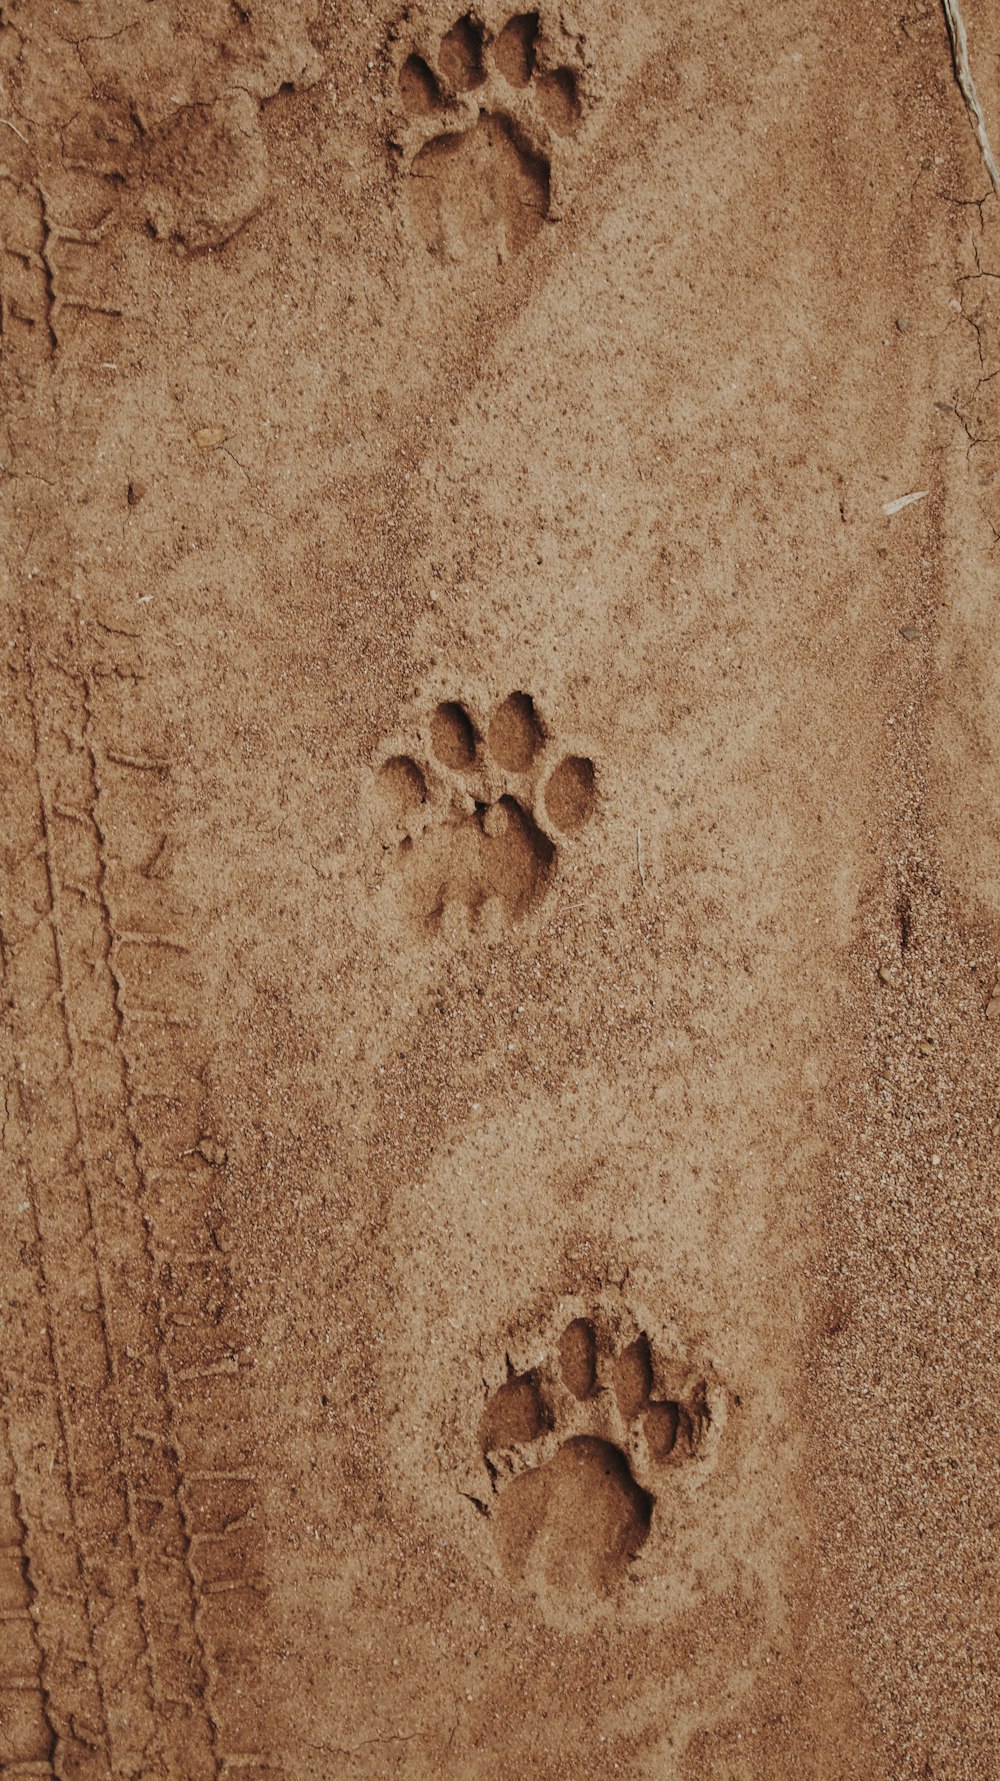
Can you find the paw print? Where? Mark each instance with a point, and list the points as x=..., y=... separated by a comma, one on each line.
x=582, y=1451
x=206, y=172
x=476, y=816
x=488, y=118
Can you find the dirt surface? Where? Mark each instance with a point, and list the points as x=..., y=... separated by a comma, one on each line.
x=500, y=897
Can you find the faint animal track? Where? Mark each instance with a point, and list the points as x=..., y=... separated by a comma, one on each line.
x=207, y=172
x=580, y=1451
x=489, y=116
x=198, y=176
x=476, y=815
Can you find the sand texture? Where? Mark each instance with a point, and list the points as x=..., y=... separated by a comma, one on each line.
x=499, y=892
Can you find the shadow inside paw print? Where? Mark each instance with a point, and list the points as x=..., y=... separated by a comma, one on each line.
x=486, y=118
x=476, y=823
x=578, y=1454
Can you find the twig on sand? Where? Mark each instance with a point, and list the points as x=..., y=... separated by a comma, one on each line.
x=967, y=87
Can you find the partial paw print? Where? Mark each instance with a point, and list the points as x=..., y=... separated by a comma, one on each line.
x=206, y=172
x=198, y=166
x=585, y=1451
x=489, y=121
x=476, y=816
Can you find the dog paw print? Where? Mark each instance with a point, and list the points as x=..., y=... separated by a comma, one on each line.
x=476, y=816
x=582, y=1451
x=488, y=123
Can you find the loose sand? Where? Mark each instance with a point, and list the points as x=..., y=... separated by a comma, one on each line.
x=500, y=902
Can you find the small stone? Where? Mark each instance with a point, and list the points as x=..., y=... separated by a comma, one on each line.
x=925, y=1048
x=993, y=1005
x=910, y=632
x=207, y=437
x=212, y=1153
x=887, y=973
x=935, y=1161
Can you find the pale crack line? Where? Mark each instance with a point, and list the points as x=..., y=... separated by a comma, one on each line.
x=967, y=87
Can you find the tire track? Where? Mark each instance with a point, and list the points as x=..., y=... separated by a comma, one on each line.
x=27, y=1732
x=158, y=997
x=134, y=1547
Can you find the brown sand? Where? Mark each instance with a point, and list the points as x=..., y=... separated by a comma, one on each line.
x=501, y=893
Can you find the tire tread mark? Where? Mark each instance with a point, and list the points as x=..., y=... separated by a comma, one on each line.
x=159, y=994
x=114, y=940
x=71, y=1043
x=13, y=1760
x=60, y=1713
x=127, y=1248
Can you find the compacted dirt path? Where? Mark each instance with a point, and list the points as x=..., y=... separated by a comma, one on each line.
x=500, y=896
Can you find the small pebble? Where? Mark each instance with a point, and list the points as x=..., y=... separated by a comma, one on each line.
x=909, y=632
x=208, y=436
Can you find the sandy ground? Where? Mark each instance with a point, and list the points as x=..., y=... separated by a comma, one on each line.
x=500, y=902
